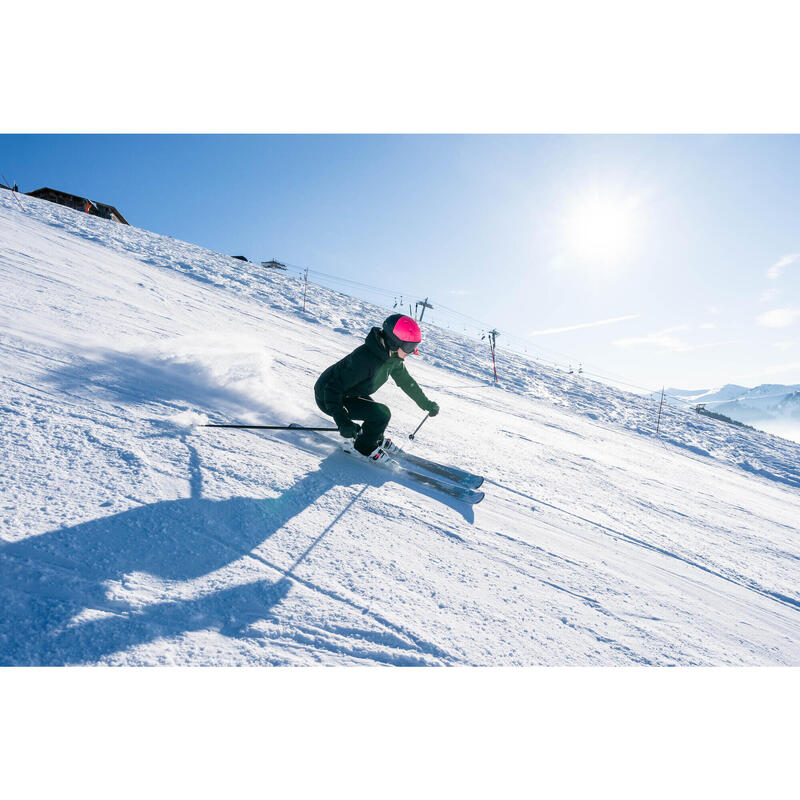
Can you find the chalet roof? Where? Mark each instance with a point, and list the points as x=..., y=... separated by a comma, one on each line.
x=79, y=198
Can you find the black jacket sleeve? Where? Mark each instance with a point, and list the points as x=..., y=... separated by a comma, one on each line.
x=410, y=387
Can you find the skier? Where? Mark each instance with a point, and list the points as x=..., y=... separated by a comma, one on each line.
x=343, y=390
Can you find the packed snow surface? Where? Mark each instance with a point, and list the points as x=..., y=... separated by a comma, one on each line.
x=130, y=534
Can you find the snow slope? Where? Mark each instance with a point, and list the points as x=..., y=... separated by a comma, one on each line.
x=130, y=536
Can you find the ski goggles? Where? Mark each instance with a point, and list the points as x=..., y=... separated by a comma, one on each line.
x=409, y=347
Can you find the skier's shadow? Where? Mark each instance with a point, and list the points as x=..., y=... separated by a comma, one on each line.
x=79, y=594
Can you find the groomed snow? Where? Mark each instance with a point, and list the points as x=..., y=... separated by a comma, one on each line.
x=130, y=535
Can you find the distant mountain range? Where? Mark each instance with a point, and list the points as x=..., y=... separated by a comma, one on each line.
x=772, y=407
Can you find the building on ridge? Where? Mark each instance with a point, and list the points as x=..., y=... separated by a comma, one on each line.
x=102, y=210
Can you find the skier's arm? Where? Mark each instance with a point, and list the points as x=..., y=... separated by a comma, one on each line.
x=411, y=388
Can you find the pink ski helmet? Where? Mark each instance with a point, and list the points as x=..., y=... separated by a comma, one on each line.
x=402, y=333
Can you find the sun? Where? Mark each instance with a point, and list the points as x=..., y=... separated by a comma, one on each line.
x=601, y=229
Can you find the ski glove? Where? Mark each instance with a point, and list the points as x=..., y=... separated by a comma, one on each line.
x=433, y=408
x=349, y=429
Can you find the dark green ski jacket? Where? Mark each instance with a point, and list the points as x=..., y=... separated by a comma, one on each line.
x=360, y=374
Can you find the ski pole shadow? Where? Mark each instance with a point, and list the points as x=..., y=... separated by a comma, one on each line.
x=79, y=594
x=105, y=570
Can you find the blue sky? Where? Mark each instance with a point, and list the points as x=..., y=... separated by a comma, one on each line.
x=660, y=260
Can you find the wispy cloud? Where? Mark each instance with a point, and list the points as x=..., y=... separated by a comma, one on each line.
x=768, y=295
x=709, y=345
x=674, y=329
x=779, y=266
x=785, y=345
x=708, y=326
x=792, y=370
x=666, y=340
x=794, y=366
x=778, y=317
x=660, y=340
x=583, y=325
x=459, y=292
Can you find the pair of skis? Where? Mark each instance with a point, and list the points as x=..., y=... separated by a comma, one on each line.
x=453, y=481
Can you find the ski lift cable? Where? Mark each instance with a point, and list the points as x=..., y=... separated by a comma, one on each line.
x=348, y=282
x=482, y=326
x=381, y=289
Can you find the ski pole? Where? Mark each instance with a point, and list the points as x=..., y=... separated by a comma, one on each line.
x=412, y=435
x=292, y=427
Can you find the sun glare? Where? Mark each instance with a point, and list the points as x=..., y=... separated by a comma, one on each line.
x=601, y=230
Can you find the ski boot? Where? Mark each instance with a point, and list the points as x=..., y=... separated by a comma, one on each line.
x=384, y=451
x=389, y=447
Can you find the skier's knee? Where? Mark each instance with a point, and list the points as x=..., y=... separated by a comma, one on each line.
x=384, y=414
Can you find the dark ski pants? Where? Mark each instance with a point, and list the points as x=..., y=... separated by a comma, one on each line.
x=374, y=418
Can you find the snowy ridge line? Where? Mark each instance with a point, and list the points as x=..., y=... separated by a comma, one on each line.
x=734, y=400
